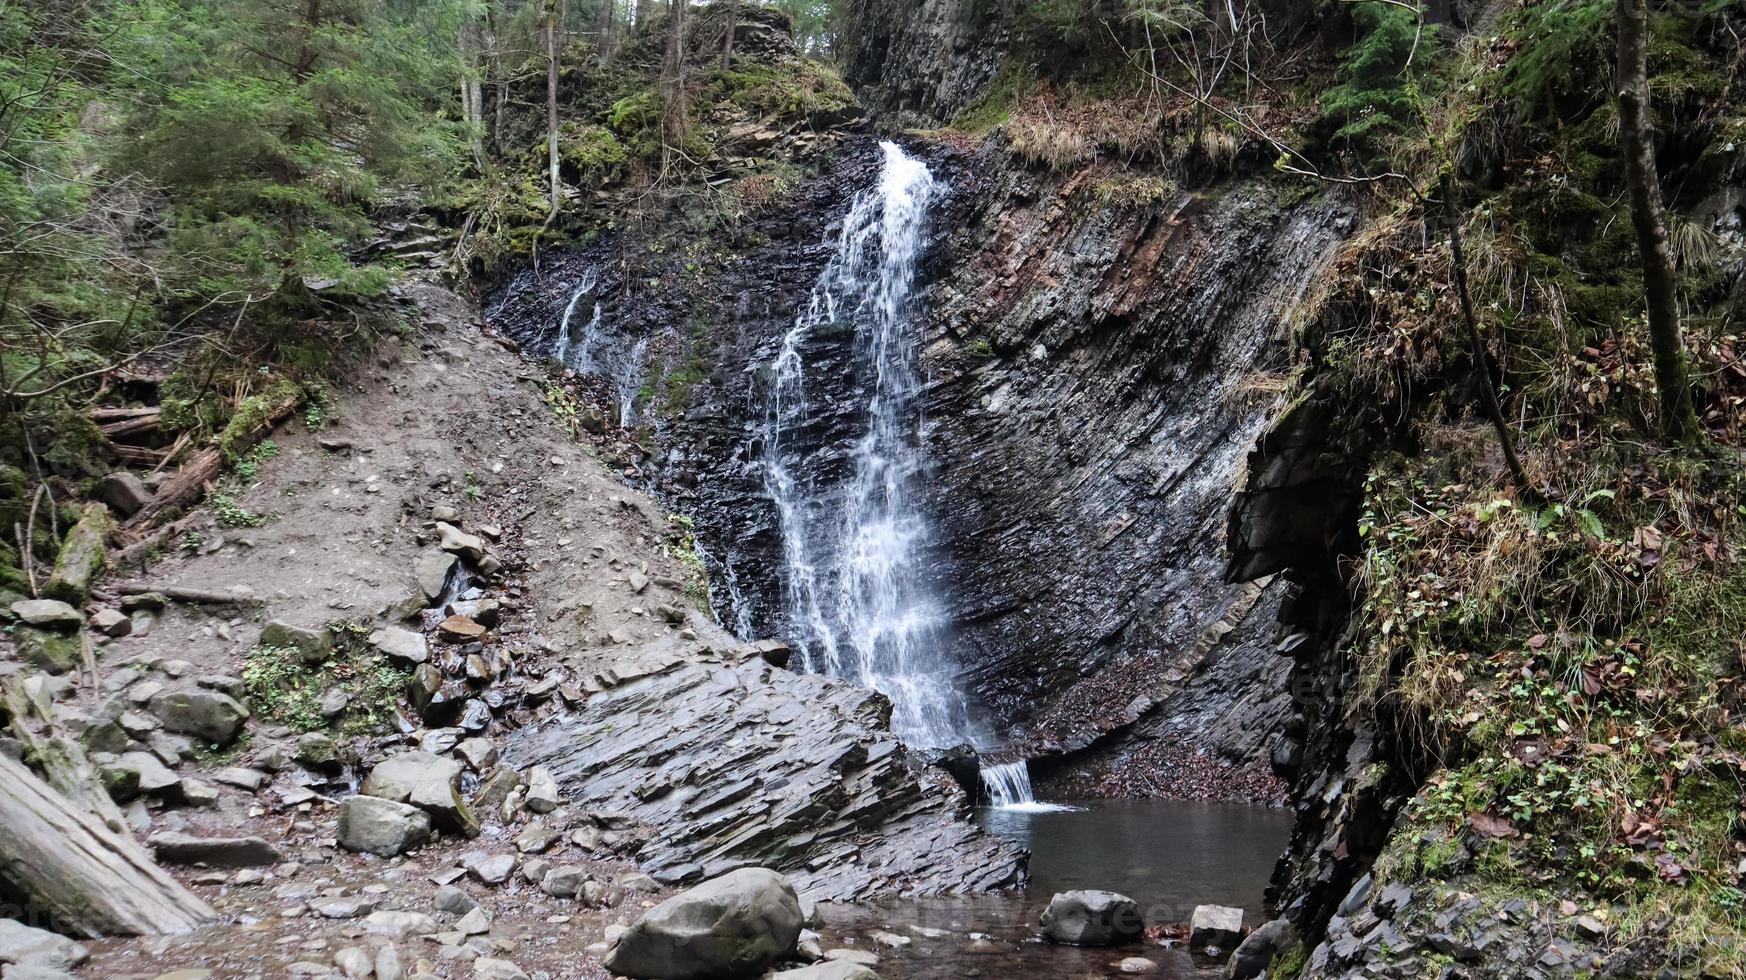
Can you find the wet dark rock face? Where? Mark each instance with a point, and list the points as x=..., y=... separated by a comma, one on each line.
x=1097, y=371
x=921, y=62
x=1086, y=467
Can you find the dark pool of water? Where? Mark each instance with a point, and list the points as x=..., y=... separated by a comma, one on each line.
x=1167, y=856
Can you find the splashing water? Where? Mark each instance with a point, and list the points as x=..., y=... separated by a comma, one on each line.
x=853, y=585
x=1009, y=788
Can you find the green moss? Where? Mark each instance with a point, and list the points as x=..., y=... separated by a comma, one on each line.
x=594, y=151
x=793, y=89
x=252, y=414
x=994, y=106
x=279, y=686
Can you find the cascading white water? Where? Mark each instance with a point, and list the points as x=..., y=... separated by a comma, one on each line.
x=560, y=349
x=628, y=378
x=854, y=590
x=1009, y=788
x=1008, y=784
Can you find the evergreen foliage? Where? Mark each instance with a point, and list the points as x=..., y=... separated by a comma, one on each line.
x=1376, y=95
x=272, y=125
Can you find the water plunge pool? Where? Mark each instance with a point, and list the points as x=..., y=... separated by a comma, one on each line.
x=1168, y=856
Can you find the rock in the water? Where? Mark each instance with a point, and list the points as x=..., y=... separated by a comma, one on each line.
x=22, y=945
x=313, y=645
x=829, y=970
x=318, y=751
x=48, y=613
x=373, y=825
x=209, y=715
x=220, y=852
x=402, y=646
x=1255, y=954
x=1215, y=925
x=458, y=542
x=827, y=743
x=732, y=926
x=432, y=572
x=1092, y=918
x=426, y=781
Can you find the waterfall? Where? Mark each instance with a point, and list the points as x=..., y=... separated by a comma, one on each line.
x=628, y=378
x=561, y=348
x=854, y=592
x=1008, y=784
x=1009, y=788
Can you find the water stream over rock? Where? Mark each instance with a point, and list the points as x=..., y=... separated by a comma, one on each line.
x=852, y=532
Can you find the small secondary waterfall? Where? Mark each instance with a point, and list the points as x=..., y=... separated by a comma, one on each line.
x=628, y=379
x=854, y=590
x=561, y=349
x=1008, y=784
x=1009, y=788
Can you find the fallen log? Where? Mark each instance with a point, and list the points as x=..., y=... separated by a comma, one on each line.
x=90, y=881
x=60, y=756
x=188, y=484
x=139, y=454
x=195, y=597
x=111, y=414
x=127, y=427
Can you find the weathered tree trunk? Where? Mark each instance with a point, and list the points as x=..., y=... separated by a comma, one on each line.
x=87, y=879
x=675, y=114
x=727, y=40
x=65, y=767
x=1679, y=420
x=471, y=47
x=554, y=13
x=494, y=44
x=189, y=482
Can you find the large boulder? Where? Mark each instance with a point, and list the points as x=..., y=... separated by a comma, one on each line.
x=48, y=650
x=125, y=493
x=402, y=646
x=210, y=715
x=1256, y=953
x=1092, y=918
x=372, y=825
x=728, y=927
x=24, y=946
x=426, y=781
x=48, y=613
x=1215, y=925
x=313, y=645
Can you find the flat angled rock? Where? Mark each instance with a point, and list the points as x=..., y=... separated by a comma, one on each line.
x=737, y=764
x=219, y=852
